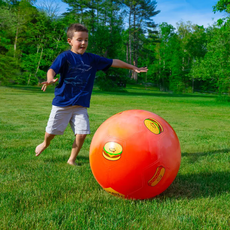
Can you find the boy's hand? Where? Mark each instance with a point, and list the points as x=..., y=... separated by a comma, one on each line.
x=140, y=70
x=46, y=83
x=120, y=64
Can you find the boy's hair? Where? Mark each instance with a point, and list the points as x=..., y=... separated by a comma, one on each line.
x=75, y=28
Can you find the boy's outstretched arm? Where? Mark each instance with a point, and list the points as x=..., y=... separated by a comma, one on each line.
x=50, y=79
x=120, y=64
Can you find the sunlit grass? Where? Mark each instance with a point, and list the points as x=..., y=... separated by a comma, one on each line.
x=45, y=193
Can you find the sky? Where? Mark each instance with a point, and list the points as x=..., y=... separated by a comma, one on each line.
x=173, y=11
x=199, y=12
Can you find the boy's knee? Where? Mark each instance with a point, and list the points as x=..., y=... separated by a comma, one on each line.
x=49, y=136
x=81, y=136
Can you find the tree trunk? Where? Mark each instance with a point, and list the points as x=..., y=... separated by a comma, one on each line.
x=183, y=64
x=39, y=61
x=130, y=42
x=192, y=84
x=15, y=42
x=29, y=79
x=134, y=74
x=127, y=52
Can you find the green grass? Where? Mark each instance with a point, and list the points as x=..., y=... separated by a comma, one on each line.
x=45, y=193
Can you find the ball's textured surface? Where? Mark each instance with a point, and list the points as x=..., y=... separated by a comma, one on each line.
x=135, y=154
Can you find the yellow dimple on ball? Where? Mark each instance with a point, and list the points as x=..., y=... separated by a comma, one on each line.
x=113, y=148
x=113, y=192
x=112, y=151
x=153, y=126
x=160, y=171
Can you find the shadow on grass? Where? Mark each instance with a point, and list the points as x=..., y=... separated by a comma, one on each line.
x=207, y=184
x=32, y=89
x=137, y=92
x=153, y=93
x=193, y=157
x=198, y=185
x=81, y=160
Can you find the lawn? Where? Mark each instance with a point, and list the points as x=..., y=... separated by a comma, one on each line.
x=46, y=193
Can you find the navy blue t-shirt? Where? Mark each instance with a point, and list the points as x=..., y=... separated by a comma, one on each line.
x=77, y=74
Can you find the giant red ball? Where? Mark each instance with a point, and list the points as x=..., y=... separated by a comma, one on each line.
x=135, y=154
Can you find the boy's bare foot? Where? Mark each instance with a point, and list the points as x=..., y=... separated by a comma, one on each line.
x=71, y=163
x=39, y=149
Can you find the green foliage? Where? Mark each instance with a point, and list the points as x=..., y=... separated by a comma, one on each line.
x=105, y=83
x=222, y=5
x=113, y=80
x=8, y=67
x=170, y=56
x=214, y=67
x=187, y=59
x=49, y=37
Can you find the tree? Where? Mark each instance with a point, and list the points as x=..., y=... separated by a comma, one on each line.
x=194, y=46
x=23, y=12
x=13, y=18
x=84, y=11
x=163, y=54
x=214, y=68
x=43, y=41
x=50, y=7
x=222, y=5
x=140, y=13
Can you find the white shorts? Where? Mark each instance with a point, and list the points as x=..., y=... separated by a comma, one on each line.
x=60, y=117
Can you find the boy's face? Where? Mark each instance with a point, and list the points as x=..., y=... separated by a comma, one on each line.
x=79, y=42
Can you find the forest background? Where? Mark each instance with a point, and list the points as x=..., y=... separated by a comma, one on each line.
x=186, y=59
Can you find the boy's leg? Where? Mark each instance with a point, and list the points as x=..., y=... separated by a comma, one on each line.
x=77, y=144
x=58, y=120
x=40, y=148
x=80, y=126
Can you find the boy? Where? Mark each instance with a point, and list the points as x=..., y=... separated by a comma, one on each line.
x=72, y=95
